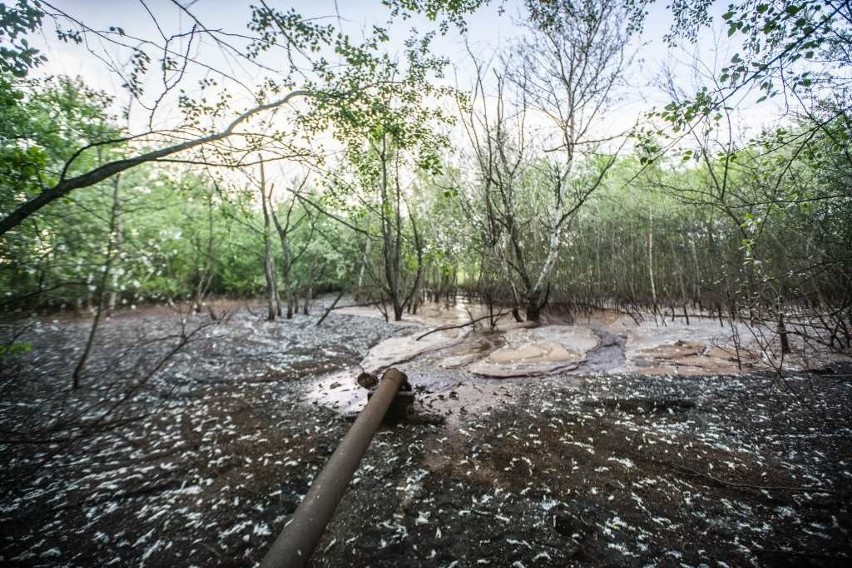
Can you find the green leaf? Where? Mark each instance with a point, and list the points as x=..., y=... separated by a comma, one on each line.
x=15, y=349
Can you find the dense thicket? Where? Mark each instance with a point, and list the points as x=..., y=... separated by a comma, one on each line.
x=649, y=235
x=668, y=237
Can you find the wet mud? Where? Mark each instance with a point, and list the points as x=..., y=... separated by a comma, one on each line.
x=607, y=357
x=601, y=464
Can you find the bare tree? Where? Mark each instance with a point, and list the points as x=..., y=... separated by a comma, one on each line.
x=113, y=242
x=388, y=221
x=564, y=75
x=204, y=254
x=285, y=231
x=500, y=151
x=568, y=69
x=272, y=299
x=399, y=285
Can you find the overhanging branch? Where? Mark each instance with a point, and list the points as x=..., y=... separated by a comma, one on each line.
x=99, y=174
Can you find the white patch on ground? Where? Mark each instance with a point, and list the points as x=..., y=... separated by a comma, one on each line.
x=338, y=391
x=717, y=347
x=537, y=351
x=398, y=349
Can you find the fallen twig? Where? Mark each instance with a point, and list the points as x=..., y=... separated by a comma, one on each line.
x=460, y=325
x=695, y=473
x=331, y=307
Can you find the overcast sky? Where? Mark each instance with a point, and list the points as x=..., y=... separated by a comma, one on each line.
x=487, y=32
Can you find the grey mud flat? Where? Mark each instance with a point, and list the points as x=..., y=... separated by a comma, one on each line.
x=571, y=469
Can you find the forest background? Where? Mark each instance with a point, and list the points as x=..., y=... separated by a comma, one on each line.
x=303, y=153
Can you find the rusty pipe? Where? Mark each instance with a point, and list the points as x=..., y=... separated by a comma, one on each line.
x=300, y=535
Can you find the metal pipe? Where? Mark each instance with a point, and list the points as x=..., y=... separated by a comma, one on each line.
x=296, y=543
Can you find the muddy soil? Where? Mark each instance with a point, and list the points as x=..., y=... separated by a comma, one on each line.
x=589, y=464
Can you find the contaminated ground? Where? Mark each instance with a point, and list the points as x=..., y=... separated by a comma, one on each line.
x=600, y=439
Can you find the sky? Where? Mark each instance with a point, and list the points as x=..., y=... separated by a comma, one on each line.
x=488, y=32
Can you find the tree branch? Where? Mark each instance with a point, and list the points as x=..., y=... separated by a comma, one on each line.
x=99, y=174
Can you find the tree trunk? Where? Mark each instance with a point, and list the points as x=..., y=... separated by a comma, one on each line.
x=273, y=303
x=309, y=292
x=287, y=256
x=534, y=304
x=118, y=241
x=651, y=260
x=204, y=271
x=398, y=309
x=533, y=312
x=782, y=333
x=101, y=291
x=364, y=260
